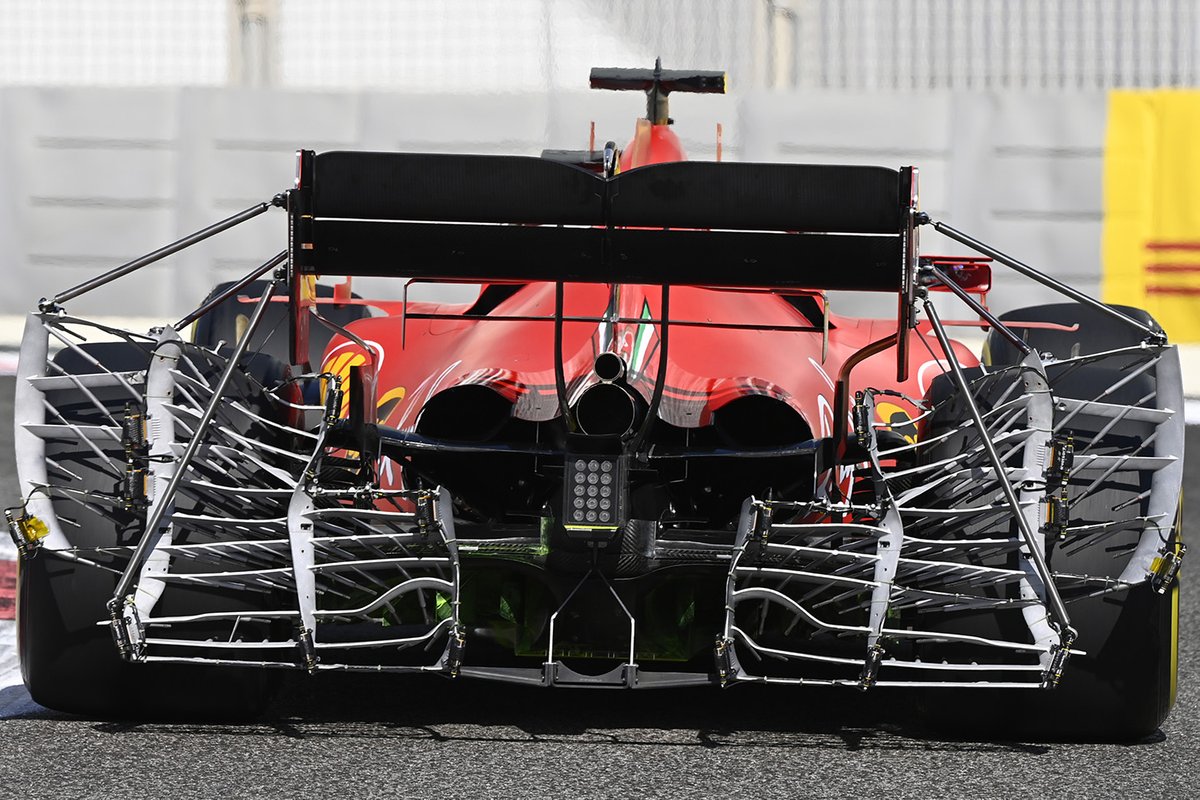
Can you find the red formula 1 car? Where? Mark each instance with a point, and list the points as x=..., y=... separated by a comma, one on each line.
x=647, y=455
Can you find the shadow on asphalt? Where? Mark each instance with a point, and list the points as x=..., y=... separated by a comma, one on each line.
x=15, y=703
x=387, y=707
x=431, y=709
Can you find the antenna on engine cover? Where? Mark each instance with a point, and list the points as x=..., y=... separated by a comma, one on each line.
x=657, y=83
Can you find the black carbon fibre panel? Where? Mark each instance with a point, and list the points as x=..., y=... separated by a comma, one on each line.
x=594, y=255
x=775, y=197
x=455, y=188
x=688, y=194
x=786, y=225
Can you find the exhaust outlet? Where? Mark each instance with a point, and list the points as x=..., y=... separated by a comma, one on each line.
x=607, y=409
x=609, y=367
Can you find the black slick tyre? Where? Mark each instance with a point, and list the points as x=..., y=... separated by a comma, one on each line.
x=1124, y=686
x=68, y=658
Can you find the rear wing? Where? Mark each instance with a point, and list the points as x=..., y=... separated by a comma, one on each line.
x=522, y=218
x=514, y=218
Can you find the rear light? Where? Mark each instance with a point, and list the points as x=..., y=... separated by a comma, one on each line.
x=593, y=493
x=971, y=273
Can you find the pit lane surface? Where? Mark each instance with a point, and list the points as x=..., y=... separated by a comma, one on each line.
x=373, y=737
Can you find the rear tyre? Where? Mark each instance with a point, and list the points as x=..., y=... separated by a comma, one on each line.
x=68, y=659
x=227, y=322
x=1123, y=688
x=1096, y=333
x=70, y=663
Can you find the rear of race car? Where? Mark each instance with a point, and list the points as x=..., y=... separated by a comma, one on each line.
x=599, y=474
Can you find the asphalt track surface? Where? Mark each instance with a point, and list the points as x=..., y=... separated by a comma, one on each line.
x=374, y=737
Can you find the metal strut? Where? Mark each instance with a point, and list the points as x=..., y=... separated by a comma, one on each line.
x=1040, y=277
x=159, y=254
x=257, y=273
x=554, y=672
x=122, y=594
x=560, y=377
x=1054, y=600
x=983, y=312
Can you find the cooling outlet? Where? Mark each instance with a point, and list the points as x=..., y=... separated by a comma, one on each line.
x=489, y=486
x=609, y=367
x=708, y=492
x=759, y=421
x=518, y=488
x=465, y=414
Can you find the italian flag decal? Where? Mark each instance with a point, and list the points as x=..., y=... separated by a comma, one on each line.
x=642, y=341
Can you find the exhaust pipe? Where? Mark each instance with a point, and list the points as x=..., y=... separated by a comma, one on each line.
x=609, y=367
x=607, y=409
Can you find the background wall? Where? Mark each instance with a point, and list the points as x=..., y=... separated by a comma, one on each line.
x=93, y=177
x=126, y=124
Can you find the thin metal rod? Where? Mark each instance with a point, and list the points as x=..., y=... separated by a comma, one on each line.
x=158, y=254
x=554, y=616
x=841, y=394
x=258, y=272
x=660, y=380
x=1057, y=608
x=978, y=308
x=150, y=535
x=1042, y=278
x=560, y=378
x=632, y=621
x=678, y=323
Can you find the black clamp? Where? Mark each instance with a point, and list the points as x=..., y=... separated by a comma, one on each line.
x=332, y=390
x=455, y=651
x=862, y=421
x=726, y=662
x=426, y=516
x=308, y=651
x=1059, y=655
x=870, y=670
x=1156, y=339
x=133, y=487
x=127, y=629
x=1058, y=475
x=133, y=440
x=1166, y=567
x=760, y=530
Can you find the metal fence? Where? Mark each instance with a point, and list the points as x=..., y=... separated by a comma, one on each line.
x=114, y=42
x=994, y=44
x=527, y=45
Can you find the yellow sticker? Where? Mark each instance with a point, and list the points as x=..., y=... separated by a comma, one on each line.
x=33, y=529
x=340, y=365
x=898, y=420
